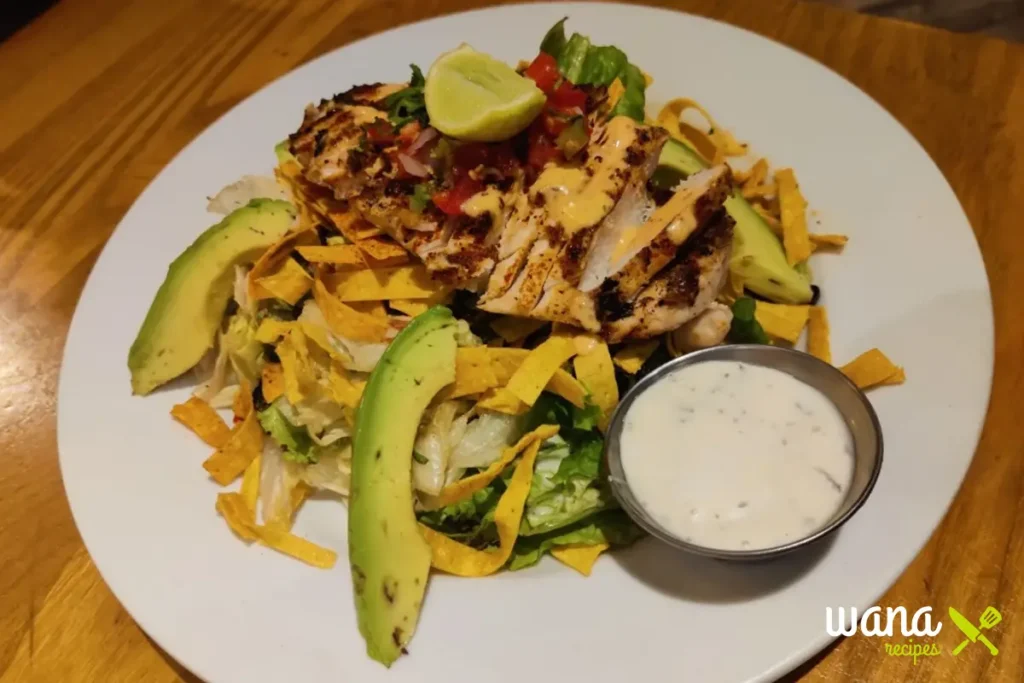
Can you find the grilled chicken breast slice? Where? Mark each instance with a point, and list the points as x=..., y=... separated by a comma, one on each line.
x=329, y=144
x=631, y=252
x=681, y=292
x=567, y=205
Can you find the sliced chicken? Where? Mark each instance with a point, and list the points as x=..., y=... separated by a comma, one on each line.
x=553, y=231
x=331, y=144
x=680, y=292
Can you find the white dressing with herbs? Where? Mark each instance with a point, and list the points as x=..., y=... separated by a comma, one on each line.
x=735, y=456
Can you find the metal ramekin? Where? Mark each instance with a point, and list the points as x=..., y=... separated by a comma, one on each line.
x=855, y=408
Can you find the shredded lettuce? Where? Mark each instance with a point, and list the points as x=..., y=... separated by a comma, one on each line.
x=484, y=440
x=438, y=433
x=583, y=63
x=241, y=192
x=294, y=440
x=613, y=527
x=244, y=353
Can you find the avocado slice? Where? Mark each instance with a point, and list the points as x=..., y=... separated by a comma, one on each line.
x=283, y=152
x=183, y=319
x=389, y=557
x=759, y=259
x=757, y=256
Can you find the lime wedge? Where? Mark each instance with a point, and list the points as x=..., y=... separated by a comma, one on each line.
x=472, y=96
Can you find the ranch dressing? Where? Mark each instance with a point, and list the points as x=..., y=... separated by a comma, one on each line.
x=735, y=456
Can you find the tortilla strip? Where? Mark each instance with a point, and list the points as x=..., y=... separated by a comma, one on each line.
x=347, y=322
x=714, y=145
x=473, y=372
x=272, y=382
x=818, y=335
x=289, y=283
x=382, y=251
x=793, y=208
x=539, y=367
x=873, y=368
x=579, y=557
x=236, y=512
x=337, y=255
x=501, y=400
x=782, y=321
x=297, y=547
x=506, y=361
x=251, y=484
x=274, y=256
x=597, y=373
x=245, y=443
x=455, y=558
x=203, y=420
x=466, y=487
x=633, y=356
x=402, y=282
x=513, y=329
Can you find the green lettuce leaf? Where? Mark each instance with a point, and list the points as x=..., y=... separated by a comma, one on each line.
x=613, y=527
x=295, y=441
x=407, y=105
x=583, y=63
x=745, y=329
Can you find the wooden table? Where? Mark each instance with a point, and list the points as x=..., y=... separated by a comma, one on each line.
x=96, y=96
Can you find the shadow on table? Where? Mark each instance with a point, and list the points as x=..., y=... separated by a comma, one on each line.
x=184, y=674
x=682, y=575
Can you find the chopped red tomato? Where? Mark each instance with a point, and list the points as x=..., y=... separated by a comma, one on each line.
x=450, y=201
x=541, y=149
x=544, y=72
x=409, y=133
x=567, y=97
x=471, y=155
x=381, y=132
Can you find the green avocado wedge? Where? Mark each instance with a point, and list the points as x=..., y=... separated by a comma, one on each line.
x=182, y=322
x=389, y=557
x=757, y=256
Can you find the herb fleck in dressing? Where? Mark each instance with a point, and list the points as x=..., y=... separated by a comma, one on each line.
x=735, y=456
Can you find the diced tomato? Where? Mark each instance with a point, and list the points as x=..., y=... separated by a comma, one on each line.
x=381, y=132
x=567, y=96
x=409, y=133
x=543, y=71
x=471, y=155
x=450, y=201
x=541, y=149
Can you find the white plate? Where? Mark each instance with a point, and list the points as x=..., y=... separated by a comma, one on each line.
x=911, y=282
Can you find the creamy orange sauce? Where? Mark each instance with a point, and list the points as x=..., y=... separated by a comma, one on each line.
x=578, y=198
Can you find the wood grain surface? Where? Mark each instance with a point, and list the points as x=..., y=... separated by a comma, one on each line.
x=97, y=95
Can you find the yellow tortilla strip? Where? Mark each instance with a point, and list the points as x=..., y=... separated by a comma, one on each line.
x=826, y=241
x=337, y=255
x=501, y=400
x=568, y=387
x=466, y=487
x=374, y=308
x=455, y=558
x=473, y=372
x=236, y=512
x=539, y=367
x=513, y=329
x=409, y=307
x=318, y=335
x=819, y=344
x=873, y=368
x=297, y=547
x=793, y=208
x=272, y=382
x=782, y=321
x=298, y=495
x=347, y=322
x=272, y=329
x=402, y=282
x=597, y=373
x=505, y=362
x=274, y=256
x=756, y=175
x=251, y=484
x=343, y=389
x=615, y=91
x=382, y=251
x=203, y=420
x=633, y=356
x=230, y=460
x=579, y=557
x=714, y=145
x=296, y=366
x=289, y=283
x=772, y=221
x=241, y=405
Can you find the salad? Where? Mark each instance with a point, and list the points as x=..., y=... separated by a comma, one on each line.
x=432, y=309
